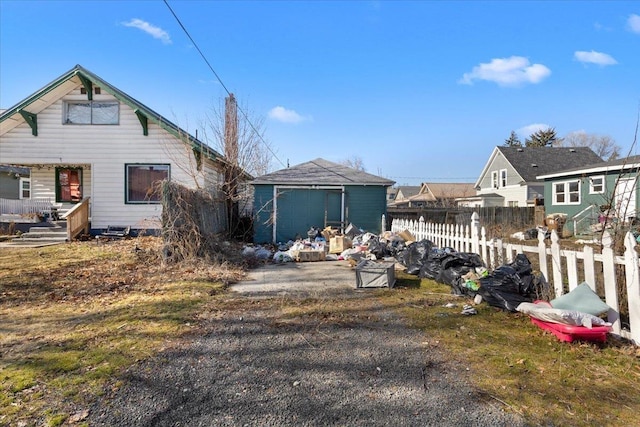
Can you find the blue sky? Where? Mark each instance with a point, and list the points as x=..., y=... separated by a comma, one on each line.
x=420, y=91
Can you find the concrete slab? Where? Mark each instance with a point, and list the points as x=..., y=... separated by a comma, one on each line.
x=314, y=278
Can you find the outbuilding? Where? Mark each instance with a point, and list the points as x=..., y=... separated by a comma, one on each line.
x=318, y=193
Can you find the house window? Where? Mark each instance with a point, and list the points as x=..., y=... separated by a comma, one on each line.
x=141, y=180
x=25, y=188
x=494, y=180
x=68, y=185
x=596, y=184
x=503, y=177
x=91, y=113
x=566, y=193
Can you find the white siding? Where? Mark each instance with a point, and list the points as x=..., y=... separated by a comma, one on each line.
x=107, y=148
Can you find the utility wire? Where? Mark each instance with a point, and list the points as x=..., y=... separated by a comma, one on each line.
x=246, y=117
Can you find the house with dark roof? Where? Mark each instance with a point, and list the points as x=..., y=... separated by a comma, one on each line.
x=318, y=193
x=591, y=193
x=509, y=178
x=88, y=143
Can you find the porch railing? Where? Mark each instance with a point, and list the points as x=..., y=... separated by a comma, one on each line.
x=77, y=219
x=26, y=206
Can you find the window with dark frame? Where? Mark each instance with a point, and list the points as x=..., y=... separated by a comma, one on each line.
x=141, y=182
x=68, y=185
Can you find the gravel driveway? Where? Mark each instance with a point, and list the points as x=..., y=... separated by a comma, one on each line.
x=249, y=365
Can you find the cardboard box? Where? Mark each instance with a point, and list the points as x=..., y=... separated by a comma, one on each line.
x=407, y=236
x=310, y=255
x=339, y=244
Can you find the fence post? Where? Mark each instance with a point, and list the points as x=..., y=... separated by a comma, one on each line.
x=610, y=288
x=542, y=256
x=383, y=224
x=475, y=233
x=633, y=286
x=556, y=263
x=589, y=267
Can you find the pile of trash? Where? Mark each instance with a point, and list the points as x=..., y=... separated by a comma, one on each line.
x=505, y=287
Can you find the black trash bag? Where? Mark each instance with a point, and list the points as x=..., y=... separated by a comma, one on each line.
x=432, y=267
x=455, y=266
x=378, y=248
x=415, y=255
x=509, y=285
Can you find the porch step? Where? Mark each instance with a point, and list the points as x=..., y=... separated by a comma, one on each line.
x=55, y=232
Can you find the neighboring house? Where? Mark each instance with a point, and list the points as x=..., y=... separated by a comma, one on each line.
x=441, y=194
x=15, y=182
x=586, y=193
x=509, y=177
x=403, y=194
x=319, y=193
x=82, y=138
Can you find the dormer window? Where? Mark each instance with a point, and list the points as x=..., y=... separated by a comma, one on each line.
x=91, y=113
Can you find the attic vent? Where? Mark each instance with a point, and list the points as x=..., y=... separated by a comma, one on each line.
x=520, y=150
x=83, y=91
x=533, y=165
x=572, y=150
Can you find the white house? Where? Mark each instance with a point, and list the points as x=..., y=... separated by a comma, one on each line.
x=509, y=178
x=84, y=139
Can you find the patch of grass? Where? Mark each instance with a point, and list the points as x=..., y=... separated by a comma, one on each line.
x=514, y=362
x=75, y=315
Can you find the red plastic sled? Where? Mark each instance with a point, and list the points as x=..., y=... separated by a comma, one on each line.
x=570, y=333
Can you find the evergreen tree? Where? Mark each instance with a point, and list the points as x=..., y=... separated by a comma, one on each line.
x=513, y=140
x=542, y=138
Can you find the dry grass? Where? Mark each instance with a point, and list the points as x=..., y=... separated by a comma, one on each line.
x=515, y=362
x=75, y=315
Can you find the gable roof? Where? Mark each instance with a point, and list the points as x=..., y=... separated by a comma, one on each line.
x=321, y=172
x=447, y=190
x=78, y=75
x=531, y=162
x=407, y=191
x=626, y=163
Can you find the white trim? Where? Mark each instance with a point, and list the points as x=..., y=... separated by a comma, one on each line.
x=591, y=170
x=591, y=189
x=495, y=180
x=503, y=178
x=567, y=193
x=23, y=179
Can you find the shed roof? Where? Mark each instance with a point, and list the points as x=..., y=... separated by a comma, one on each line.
x=625, y=163
x=321, y=172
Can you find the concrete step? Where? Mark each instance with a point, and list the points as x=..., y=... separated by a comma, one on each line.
x=57, y=239
x=48, y=234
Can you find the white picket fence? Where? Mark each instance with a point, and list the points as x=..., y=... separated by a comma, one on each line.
x=563, y=263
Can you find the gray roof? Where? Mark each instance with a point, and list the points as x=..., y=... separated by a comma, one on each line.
x=14, y=169
x=630, y=162
x=321, y=172
x=531, y=162
x=409, y=190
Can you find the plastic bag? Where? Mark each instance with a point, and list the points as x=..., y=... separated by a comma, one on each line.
x=415, y=255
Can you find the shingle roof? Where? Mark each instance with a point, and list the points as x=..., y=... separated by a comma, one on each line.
x=408, y=190
x=321, y=172
x=531, y=162
x=625, y=163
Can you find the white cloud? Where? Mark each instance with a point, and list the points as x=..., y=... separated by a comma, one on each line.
x=281, y=114
x=633, y=23
x=594, y=57
x=512, y=71
x=527, y=131
x=152, y=30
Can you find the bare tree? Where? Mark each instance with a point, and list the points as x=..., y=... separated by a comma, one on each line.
x=354, y=162
x=603, y=145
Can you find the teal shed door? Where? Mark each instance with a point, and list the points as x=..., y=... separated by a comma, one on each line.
x=300, y=209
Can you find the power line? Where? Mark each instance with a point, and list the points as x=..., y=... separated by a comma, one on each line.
x=246, y=117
